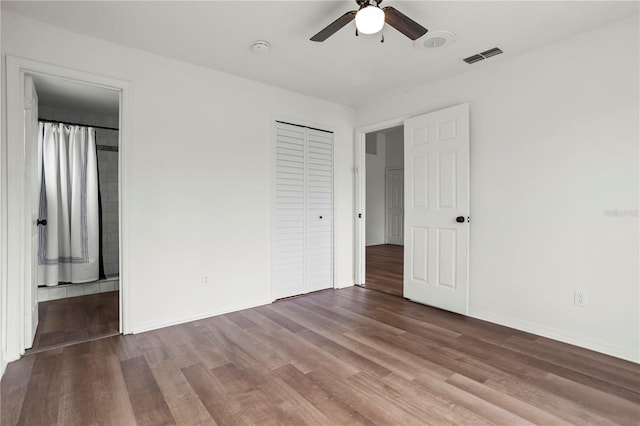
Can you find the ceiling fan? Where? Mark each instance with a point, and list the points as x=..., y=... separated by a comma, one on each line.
x=370, y=18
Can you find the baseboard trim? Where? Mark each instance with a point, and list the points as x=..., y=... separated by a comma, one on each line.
x=3, y=367
x=155, y=326
x=340, y=286
x=556, y=334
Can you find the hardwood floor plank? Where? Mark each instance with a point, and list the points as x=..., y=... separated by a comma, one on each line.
x=276, y=317
x=603, y=403
x=384, y=268
x=605, y=361
x=42, y=399
x=507, y=402
x=485, y=409
x=149, y=406
x=241, y=321
x=442, y=409
x=419, y=363
x=336, y=409
x=371, y=404
x=211, y=393
x=345, y=354
x=446, y=358
x=76, y=395
x=555, y=404
x=334, y=305
x=541, y=366
x=295, y=407
x=234, y=380
x=113, y=402
x=184, y=403
x=13, y=389
x=242, y=348
x=622, y=377
x=380, y=394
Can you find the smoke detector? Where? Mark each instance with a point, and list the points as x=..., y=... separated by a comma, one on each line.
x=434, y=40
x=260, y=47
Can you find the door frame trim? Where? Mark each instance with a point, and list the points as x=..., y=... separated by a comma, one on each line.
x=360, y=173
x=13, y=286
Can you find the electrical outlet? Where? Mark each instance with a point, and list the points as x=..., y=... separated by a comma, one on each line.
x=205, y=281
x=580, y=297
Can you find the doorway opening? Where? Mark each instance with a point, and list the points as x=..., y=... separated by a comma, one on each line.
x=20, y=301
x=436, y=207
x=384, y=210
x=75, y=129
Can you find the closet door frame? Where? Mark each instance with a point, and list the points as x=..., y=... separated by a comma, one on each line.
x=273, y=192
x=15, y=257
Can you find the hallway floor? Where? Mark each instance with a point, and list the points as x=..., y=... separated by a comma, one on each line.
x=79, y=318
x=384, y=268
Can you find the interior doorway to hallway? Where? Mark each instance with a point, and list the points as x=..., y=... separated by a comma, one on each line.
x=384, y=210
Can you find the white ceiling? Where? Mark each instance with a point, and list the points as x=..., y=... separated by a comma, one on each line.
x=345, y=69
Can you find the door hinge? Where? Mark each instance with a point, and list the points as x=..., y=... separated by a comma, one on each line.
x=28, y=103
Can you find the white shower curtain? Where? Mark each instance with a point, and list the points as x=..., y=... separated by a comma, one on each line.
x=68, y=245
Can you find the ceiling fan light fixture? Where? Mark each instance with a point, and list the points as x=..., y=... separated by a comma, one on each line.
x=370, y=20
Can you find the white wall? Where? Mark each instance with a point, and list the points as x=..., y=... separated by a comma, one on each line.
x=554, y=154
x=375, y=194
x=199, y=201
x=394, y=145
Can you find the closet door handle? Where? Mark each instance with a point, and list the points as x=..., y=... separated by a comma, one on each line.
x=42, y=222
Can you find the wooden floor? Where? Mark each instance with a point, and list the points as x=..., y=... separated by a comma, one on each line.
x=384, y=265
x=76, y=318
x=350, y=356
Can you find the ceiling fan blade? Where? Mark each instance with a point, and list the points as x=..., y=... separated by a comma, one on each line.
x=403, y=23
x=333, y=27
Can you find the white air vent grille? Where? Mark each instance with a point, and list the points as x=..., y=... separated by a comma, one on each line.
x=483, y=55
x=491, y=52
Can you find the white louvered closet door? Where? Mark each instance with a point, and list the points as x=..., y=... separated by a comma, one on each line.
x=319, y=270
x=303, y=211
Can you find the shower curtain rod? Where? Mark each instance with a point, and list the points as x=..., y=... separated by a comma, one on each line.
x=79, y=124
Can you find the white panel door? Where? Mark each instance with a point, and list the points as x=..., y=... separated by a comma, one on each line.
x=394, y=210
x=289, y=272
x=32, y=155
x=319, y=255
x=303, y=214
x=437, y=208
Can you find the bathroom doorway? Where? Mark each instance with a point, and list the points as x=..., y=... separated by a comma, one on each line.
x=76, y=258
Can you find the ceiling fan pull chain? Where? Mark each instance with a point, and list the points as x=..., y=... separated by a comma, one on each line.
x=357, y=34
x=381, y=38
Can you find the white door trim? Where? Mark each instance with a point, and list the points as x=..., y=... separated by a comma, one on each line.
x=360, y=173
x=18, y=257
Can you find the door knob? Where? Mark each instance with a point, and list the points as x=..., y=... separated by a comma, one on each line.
x=460, y=219
x=42, y=222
